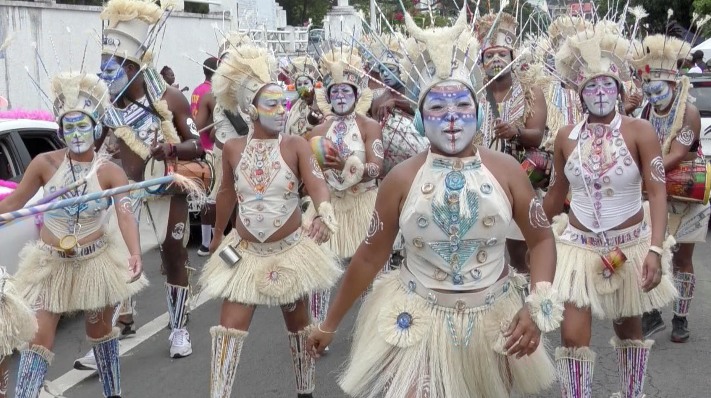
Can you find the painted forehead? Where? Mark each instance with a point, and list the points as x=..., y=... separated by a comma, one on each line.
x=449, y=90
x=75, y=117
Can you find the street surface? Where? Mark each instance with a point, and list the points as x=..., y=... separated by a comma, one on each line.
x=265, y=370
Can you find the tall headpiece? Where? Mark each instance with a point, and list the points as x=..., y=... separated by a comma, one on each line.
x=79, y=92
x=233, y=39
x=447, y=54
x=592, y=53
x=128, y=34
x=241, y=75
x=302, y=66
x=656, y=57
x=565, y=26
x=388, y=49
x=343, y=65
x=503, y=33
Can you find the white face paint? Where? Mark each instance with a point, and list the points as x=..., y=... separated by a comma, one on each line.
x=449, y=116
x=343, y=99
x=600, y=95
x=304, y=84
x=388, y=75
x=659, y=93
x=113, y=74
x=271, y=107
x=78, y=132
x=495, y=60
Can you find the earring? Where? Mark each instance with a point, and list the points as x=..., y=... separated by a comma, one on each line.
x=252, y=113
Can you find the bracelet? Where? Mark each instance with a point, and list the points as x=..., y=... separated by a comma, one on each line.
x=656, y=250
x=318, y=326
x=518, y=133
x=546, y=307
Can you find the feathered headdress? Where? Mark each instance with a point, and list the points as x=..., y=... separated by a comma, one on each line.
x=233, y=39
x=303, y=66
x=388, y=49
x=446, y=54
x=565, y=26
x=343, y=65
x=656, y=57
x=127, y=32
x=503, y=33
x=590, y=54
x=240, y=76
x=79, y=92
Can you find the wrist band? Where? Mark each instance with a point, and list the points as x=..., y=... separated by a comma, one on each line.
x=545, y=307
x=318, y=326
x=656, y=250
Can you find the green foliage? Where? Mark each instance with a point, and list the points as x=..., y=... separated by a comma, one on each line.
x=657, y=20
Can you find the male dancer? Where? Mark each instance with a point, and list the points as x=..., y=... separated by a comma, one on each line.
x=678, y=126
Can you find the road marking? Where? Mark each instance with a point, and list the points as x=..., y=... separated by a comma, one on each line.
x=74, y=377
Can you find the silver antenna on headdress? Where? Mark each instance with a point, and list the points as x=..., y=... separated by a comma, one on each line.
x=54, y=50
x=366, y=50
x=39, y=58
x=43, y=95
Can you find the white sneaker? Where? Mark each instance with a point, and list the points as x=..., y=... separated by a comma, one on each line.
x=180, y=343
x=87, y=362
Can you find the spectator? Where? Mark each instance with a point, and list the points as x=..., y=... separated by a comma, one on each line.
x=169, y=77
x=697, y=62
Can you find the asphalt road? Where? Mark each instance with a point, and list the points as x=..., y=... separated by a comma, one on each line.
x=676, y=370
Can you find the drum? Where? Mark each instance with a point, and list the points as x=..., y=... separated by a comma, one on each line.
x=198, y=170
x=690, y=182
x=400, y=140
x=538, y=165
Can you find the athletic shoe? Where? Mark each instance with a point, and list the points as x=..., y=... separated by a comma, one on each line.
x=180, y=343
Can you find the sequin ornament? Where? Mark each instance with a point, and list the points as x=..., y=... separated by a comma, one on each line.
x=261, y=165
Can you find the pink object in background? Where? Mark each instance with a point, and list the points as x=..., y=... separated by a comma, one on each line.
x=6, y=188
x=3, y=102
x=36, y=114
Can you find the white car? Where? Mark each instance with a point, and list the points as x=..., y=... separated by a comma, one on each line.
x=701, y=91
x=20, y=142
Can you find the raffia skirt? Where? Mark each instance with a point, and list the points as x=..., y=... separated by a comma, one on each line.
x=275, y=273
x=353, y=213
x=17, y=320
x=580, y=276
x=96, y=278
x=412, y=342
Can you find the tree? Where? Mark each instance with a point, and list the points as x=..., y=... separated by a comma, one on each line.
x=657, y=21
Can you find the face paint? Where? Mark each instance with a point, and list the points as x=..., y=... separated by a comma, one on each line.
x=659, y=94
x=495, y=60
x=271, y=108
x=78, y=130
x=304, y=84
x=600, y=95
x=657, y=166
x=374, y=227
x=536, y=216
x=372, y=169
x=378, y=149
x=113, y=74
x=343, y=99
x=449, y=116
x=685, y=136
x=388, y=75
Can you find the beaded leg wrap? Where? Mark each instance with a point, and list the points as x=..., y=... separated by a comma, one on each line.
x=226, y=350
x=4, y=377
x=575, y=367
x=684, y=283
x=34, y=363
x=304, y=364
x=632, y=357
x=178, y=297
x=319, y=305
x=106, y=352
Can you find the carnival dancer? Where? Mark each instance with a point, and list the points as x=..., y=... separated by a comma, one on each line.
x=678, y=125
x=268, y=259
x=613, y=259
x=303, y=71
x=74, y=266
x=514, y=112
x=18, y=326
x=152, y=123
x=452, y=321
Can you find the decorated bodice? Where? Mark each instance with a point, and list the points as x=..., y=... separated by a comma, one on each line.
x=224, y=130
x=296, y=124
x=267, y=189
x=346, y=136
x=454, y=222
x=64, y=221
x=511, y=110
x=605, y=181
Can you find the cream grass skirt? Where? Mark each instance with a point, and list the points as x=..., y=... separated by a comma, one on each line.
x=271, y=274
x=17, y=321
x=444, y=352
x=580, y=280
x=353, y=214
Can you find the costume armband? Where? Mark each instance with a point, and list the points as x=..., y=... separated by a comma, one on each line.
x=325, y=211
x=545, y=307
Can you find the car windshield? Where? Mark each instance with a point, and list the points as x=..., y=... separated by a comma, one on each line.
x=701, y=91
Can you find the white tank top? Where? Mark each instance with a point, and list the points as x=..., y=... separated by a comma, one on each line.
x=606, y=186
x=344, y=133
x=454, y=223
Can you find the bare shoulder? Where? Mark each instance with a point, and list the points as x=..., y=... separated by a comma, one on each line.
x=365, y=121
x=498, y=162
x=320, y=129
x=174, y=97
x=235, y=145
x=294, y=142
x=537, y=93
x=405, y=172
x=692, y=112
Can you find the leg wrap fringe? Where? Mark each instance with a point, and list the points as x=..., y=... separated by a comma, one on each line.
x=34, y=363
x=177, y=304
x=632, y=357
x=226, y=350
x=685, y=283
x=304, y=364
x=575, y=367
x=106, y=352
x=319, y=305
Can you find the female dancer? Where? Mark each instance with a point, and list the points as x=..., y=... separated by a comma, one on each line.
x=74, y=267
x=451, y=322
x=267, y=259
x=613, y=261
